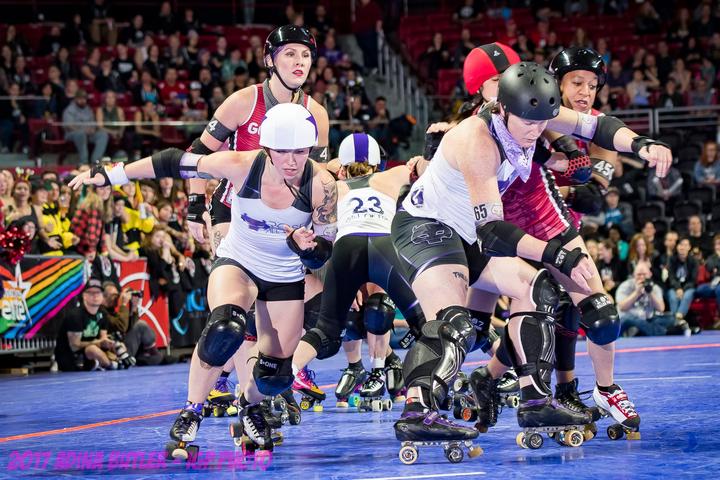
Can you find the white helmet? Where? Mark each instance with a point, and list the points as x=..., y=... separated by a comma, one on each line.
x=359, y=148
x=288, y=126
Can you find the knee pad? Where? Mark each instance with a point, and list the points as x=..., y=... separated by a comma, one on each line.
x=273, y=375
x=482, y=322
x=458, y=335
x=423, y=356
x=378, y=313
x=355, y=326
x=312, y=312
x=223, y=335
x=599, y=318
x=544, y=292
x=534, y=354
x=324, y=345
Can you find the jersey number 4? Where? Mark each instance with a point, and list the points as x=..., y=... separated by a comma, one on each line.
x=376, y=206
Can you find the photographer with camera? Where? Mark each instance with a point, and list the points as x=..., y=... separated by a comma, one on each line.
x=640, y=305
x=123, y=312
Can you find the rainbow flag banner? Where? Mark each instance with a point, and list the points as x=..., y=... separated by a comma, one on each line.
x=35, y=291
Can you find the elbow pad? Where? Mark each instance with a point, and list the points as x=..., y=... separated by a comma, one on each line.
x=199, y=147
x=176, y=163
x=499, y=238
x=607, y=127
x=313, y=258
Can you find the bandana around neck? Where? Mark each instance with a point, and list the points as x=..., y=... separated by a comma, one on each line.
x=519, y=157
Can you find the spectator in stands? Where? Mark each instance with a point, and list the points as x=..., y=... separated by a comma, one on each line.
x=171, y=191
x=366, y=25
x=82, y=342
x=706, y=25
x=616, y=236
x=378, y=124
x=681, y=76
x=189, y=23
x=711, y=288
x=190, y=50
x=612, y=270
x=108, y=78
x=539, y=36
x=670, y=97
x=580, y=39
x=7, y=60
x=91, y=68
x=650, y=71
x=134, y=34
x=692, y=51
x=680, y=28
x=139, y=219
x=21, y=75
x=714, y=49
x=640, y=305
x=47, y=105
x=173, y=53
x=166, y=21
x=107, y=112
x=437, y=55
x=103, y=28
x=330, y=51
x=640, y=250
x=87, y=224
x=468, y=12
x=67, y=69
x=114, y=236
x=638, y=90
x=123, y=65
x=667, y=189
x=16, y=42
x=701, y=243
x=68, y=95
x=592, y=249
x=146, y=91
x=168, y=221
x=647, y=20
x=55, y=81
x=164, y=266
x=173, y=93
x=20, y=206
x=682, y=272
x=552, y=46
x=216, y=99
x=231, y=64
x=195, y=110
x=29, y=227
x=708, y=70
x=320, y=24
x=649, y=233
x=524, y=47
x=616, y=81
x=79, y=112
x=707, y=168
x=664, y=61
x=204, y=62
x=465, y=45
x=147, y=130
x=154, y=64
x=57, y=222
x=13, y=116
x=74, y=33
x=50, y=42
x=701, y=94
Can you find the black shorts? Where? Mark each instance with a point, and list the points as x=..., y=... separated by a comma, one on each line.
x=219, y=210
x=268, y=291
x=422, y=243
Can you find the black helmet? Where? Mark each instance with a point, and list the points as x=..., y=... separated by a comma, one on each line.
x=529, y=91
x=290, y=34
x=579, y=58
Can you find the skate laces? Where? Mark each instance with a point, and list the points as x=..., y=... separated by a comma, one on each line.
x=224, y=385
x=623, y=403
x=256, y=419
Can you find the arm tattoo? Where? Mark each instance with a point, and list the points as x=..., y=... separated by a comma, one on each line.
x=326, y=212
x=217, y=238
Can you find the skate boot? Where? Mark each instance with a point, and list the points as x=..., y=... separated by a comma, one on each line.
x=305, y=385
x=509, y=389
x=285, y=402
x=349, y=385
x=394, y=376
x=617, y=404
x=273, y=420
x=485, y=395
x=372, y=391
x=547, y=415
x=417, y=429
x=252, y=431
x=220, y=400
x=568, y=396
x=183, y=432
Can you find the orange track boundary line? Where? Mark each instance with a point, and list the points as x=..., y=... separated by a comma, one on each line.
x=328, y=386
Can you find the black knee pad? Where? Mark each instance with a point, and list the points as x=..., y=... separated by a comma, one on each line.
x=423, y=356
x=312, y=312
x=599, y=318
x=324, y=345
x=458, y=335
x=378, y=313
x=223, y=335
x=355, y=325
x=536, y=348
x=482, y=321
x=545, y=293
x=273, y=375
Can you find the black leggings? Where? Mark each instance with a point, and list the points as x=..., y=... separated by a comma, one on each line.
x=355, y=261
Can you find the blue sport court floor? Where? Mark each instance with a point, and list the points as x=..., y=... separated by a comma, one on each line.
x=115, y=424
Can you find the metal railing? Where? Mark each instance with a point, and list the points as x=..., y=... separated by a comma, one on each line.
x=686, y=117
x=403, y=86
x=20, y=345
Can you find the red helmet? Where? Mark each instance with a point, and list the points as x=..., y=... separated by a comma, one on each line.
x=486, y=61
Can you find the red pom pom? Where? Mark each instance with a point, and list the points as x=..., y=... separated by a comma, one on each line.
x=14, y=244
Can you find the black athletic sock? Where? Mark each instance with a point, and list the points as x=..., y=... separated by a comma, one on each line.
x=611, y=389
x=224, y=374
x=356, y=365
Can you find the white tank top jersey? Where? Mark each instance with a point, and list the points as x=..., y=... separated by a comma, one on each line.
x=441, y=194
x=364, y=211
x=257, y=239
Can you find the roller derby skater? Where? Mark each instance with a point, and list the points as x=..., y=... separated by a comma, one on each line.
x=311, y=394
x=294, y=192
x=393, y=375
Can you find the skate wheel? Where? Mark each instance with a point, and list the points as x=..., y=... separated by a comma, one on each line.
x=632, y=435
x=454, y=454
x=236, y=429
x=457, y=412
x=206, y=411
x=376, y=406
x=459, y=384
x=574, y=438
x=513, y=401
x=248, y=446
x=534, y=441
x=354, y=400
x=277, y=438
x=520, y=440
x=295, y=419
x=317, y=408
x=304, y=404
x=388, y=404
x=588, y=433
x=474, y=452
x=231, y=411
x=469, y=414
x=615, y=432
x=218, y=412
x=237, y=442
x=481, y=428
x=408, y=454
x=342, y=405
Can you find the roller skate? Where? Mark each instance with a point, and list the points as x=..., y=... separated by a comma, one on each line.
x=183, y=433
x=305, y=385
x=349, y=385
x=372, y=391
x=287, y=406
x=617, y=405
x=508, y=388
x=220, y=400
x=547, y=415
x=252, y=432
x=568, y=396
x=485, y=394
x=424, y=429
x=394, y=377
x=460, y=397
